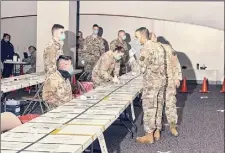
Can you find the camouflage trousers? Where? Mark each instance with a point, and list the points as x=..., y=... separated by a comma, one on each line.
x=97, y=80
x=170, y=104
x=153, y=102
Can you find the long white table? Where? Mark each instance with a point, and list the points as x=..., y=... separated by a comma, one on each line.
x=75, y=125
x=23, y=81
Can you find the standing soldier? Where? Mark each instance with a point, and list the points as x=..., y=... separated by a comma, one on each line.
x=54, y=49
x=108, y=63
x=93, y=49
x=80, y=45
x=174, y=76
x=120, y=41
x=31, y=59
x=153, y=66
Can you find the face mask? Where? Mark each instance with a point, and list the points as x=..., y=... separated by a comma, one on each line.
x=117, y=57
x=95, y=32
x=6, y=40
x=138, y=42
x=62, y=37
x=71, y=70
x=124, y=37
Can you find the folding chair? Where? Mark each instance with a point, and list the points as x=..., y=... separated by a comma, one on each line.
x=37, y=98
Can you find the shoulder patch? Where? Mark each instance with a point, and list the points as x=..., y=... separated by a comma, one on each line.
x=142, y=58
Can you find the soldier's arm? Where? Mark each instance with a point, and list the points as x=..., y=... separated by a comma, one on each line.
x=50, y=59
x=126, y=54
x=144, y=60
x=83, y=53
x=116, y=71
x=33, y=58
x=104, y=69
x=113, y=45
x=102, y=47
x=176, y=66
x=28, y=60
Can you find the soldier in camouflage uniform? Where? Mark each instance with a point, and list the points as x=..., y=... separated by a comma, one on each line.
x=57, y=88
x=174, y=76
x=153, y=66
x=31, y=59
x=120, y=41
x=54, y=49
x=80, y=45
x=93, y=49
x=108, y=64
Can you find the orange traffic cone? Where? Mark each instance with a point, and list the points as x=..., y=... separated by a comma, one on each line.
x=184, y=86
x=204, y=86
x=223, y=87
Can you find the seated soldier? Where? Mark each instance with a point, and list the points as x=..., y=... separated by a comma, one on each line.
x=108, y=63
x=57, y=87
x=31, y=59
x=9, y=121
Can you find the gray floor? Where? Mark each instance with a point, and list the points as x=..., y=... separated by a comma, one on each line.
x=201, y=127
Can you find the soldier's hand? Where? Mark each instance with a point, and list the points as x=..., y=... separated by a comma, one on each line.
x=132, y=59
x=177, y=83
x=116, y=80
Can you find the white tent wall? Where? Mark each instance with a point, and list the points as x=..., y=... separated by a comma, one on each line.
x=196, y=33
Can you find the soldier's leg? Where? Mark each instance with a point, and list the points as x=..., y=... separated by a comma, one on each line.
x=149, y=103
x=159, y=113
x=170, y=109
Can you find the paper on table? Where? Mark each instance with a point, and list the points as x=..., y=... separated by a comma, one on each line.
x=59, y=115
x=9, y=151
x=55, y=148
x=67, y=109
x=100, y=117
x=13, y=145
x=50, y=120
x=89, y=122
x=80, y=130
x=36, y=128
x=21, y=137
x=66, y=139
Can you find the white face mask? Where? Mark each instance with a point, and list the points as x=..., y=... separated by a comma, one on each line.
x=6, y=40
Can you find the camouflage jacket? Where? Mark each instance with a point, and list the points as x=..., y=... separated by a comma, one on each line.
x=57, y=90
x=51, y=53
x=105, y=67
x=32, y=61
x=152, y=62
x=173, y=64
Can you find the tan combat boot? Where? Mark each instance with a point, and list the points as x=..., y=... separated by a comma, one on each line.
x=148, y=138
x=173, y=130
x=157, y=134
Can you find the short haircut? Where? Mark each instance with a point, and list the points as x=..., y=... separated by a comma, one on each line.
x=144, y=31
x=6, y=34
x=121, y=31
x=56, y=27
x=32, y=47
x=119, y=49
x=63, y=57
x=95, y=25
